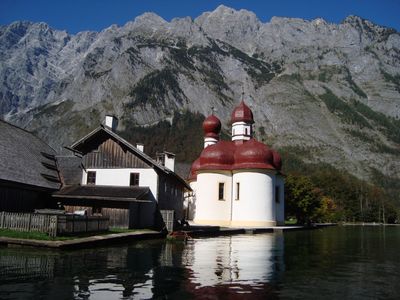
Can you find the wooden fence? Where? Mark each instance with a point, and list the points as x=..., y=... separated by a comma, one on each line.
x=52, y=224
x=29, y=222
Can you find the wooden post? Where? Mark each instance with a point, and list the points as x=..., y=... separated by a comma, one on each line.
x=29, y=222
x=2, y=219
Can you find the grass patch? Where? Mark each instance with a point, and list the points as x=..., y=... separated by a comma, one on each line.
x=49, y=110
x=44, y=237
x=393, y=79
x=327, y=72
x=345, y=112
x=260, y=71
x=291, y=222
x=121, y=230
x=25, y=235
x=155, y=87
x=362, y=136
x=390, y=126
x=353, y=85
x=382, y=148
x=291, y=77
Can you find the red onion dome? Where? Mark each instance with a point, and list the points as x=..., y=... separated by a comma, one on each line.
x=277, y=160
x=218, y=156
x=242, y=113
x=193, y=170
x=212, y=127
x=253, y=155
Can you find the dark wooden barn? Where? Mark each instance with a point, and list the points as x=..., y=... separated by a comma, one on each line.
x=28, y=171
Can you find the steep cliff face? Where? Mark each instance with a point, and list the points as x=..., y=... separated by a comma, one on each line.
x=329, y=92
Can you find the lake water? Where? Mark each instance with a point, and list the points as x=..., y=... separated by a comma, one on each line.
x=330, y=263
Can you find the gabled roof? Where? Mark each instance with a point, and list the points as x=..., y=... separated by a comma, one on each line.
x=79, y=145
x=26, y=159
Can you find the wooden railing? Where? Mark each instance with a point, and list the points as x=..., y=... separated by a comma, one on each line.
x=53, y=225
x=29, y=222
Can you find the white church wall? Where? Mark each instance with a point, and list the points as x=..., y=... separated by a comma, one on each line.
x=121, y=177
x=256, y=204
x=209, y=209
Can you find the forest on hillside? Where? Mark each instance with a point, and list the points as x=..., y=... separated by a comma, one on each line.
x=314, y=192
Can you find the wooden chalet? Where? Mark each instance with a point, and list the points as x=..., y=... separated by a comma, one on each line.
x=110, y=176
x=28, y=171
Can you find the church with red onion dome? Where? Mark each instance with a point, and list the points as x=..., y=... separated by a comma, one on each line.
x=236, y=183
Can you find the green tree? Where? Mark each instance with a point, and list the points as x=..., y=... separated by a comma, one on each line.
x=303, y=199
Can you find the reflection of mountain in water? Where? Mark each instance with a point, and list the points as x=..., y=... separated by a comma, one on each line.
x=203, y=267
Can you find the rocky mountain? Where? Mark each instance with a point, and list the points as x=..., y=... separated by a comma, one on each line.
x=327, y=92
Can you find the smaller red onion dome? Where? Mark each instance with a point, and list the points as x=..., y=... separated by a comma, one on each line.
x=218, y=156
x=212, y=127
x=242, y=113
x=253, y=155
x=277, y=160
x=194, y=168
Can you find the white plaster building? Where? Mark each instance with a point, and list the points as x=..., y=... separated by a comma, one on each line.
x=119, y=180
x=236, y=183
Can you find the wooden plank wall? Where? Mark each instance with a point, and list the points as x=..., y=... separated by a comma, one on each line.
x=119, y=217
x=17, y=199
x=68, y=224
x=110, y=154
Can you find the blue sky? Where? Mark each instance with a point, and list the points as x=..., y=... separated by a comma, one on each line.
x=79, y=15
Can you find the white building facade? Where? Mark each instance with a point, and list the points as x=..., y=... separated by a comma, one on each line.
x=236, y=183
x=119, y=180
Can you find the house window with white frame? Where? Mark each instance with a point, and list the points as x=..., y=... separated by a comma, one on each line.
x=134, y=179
x=91, y=177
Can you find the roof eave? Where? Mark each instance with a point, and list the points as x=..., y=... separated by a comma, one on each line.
x=145, y=157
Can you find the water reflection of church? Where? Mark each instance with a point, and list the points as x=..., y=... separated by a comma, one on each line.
x=237, y=259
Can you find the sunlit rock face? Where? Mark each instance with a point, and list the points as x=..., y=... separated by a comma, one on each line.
x=329, y=90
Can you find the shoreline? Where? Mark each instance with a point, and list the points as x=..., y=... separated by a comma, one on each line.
x=115, y=238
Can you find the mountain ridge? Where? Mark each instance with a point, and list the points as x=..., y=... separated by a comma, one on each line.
x=329, y=90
